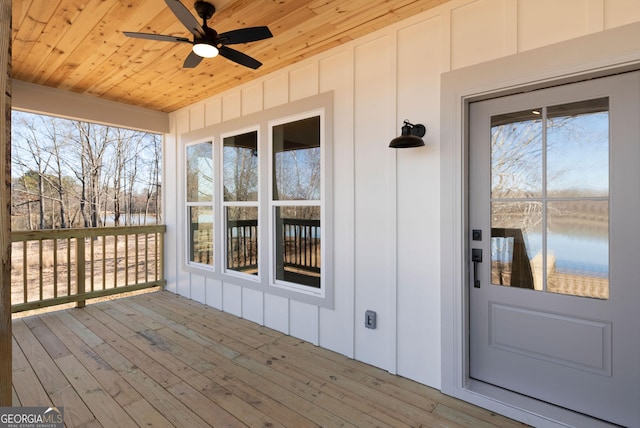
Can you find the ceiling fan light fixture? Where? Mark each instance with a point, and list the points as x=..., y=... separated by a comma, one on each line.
x=205, y=50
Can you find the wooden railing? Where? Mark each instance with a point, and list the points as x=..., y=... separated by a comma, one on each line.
x=52, y=267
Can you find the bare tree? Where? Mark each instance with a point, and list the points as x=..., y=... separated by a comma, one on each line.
x=93, y=141
x=70, y=170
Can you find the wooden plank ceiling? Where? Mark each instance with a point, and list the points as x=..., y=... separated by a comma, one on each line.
x=78, y=45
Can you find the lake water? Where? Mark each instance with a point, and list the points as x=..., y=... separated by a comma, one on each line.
x=573, y=253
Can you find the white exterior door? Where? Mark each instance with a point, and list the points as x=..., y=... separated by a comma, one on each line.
x=554, y=210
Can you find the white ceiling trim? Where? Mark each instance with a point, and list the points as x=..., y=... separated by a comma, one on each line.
x=56, y=102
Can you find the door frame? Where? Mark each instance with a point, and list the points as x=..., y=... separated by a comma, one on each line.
x=596, y=55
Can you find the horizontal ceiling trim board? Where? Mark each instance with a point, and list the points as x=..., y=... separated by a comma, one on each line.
x=57, y=102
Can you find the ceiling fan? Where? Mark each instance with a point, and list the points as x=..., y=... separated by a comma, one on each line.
x=207, y=43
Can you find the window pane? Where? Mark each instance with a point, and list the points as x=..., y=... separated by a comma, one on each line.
x=516, y=244
x=200, y=173
x=297, y=231
x=296, y=160
x=201, y=235
x=578, y=248
x=242, y=239
x=516, y=155
x=578, y=149
x=240, y=166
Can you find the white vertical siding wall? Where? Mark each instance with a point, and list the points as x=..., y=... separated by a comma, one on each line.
x=386, y=203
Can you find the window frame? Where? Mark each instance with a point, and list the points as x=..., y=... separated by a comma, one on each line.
x=317, y=105
x=274, y=204
x=224, y=204
x=189, y=204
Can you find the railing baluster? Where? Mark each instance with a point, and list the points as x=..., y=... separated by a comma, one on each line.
x=155, y=253
x=55, y=271
x=93, y=260
x=146, y=257
x=68, y=266
x=25, y=278
x=126, y=259
x=40, y=273
x=243, y=240
x=80, y=273
x=115, y=261
x=160, y=256
x=306, y=244
x=137, y=250
x=104, y=262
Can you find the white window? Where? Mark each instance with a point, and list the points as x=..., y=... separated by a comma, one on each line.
x=296, y=203
x=240, y=202
x=259, y=187
x=199, y=203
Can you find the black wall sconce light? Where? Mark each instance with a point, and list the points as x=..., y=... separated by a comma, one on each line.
x=411, y=136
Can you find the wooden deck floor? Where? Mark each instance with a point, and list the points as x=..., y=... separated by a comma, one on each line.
x=162, y=360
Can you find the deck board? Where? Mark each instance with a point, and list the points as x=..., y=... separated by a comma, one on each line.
x=161, y=360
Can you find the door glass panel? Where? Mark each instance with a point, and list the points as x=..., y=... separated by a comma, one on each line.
x=516, y=244
x=516, y=154
x=550, y=199
x=578, y=149
x=578, y=248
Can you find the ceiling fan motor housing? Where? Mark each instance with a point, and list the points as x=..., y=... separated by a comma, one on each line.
x=204, y=9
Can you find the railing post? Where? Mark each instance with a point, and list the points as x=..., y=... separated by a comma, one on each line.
x=80, y=271
x=5, y=205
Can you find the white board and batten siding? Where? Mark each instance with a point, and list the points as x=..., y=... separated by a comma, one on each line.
x=386, y=203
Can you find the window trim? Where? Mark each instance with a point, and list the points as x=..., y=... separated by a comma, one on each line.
x=260, y=121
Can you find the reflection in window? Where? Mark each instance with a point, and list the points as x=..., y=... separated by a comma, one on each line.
x=551, y=234
x=298, y=245
x=199, y=202
x=240, y=170
x=515, y=242
x=296, y=161
x=578, y=149
x=240, y=166
x=199, y=173
x=296, y=201
x=242, y=239
x=516, y=154
x=201, y=235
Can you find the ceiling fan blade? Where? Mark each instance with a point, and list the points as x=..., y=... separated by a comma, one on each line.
x=245, y=35
x=160, y=37
x=188, y=20
x=239, y=57
x=192, y=60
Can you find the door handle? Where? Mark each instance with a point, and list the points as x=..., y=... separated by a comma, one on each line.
x=476, y=257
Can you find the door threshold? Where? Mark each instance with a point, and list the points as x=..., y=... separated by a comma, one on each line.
x=526, y=409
